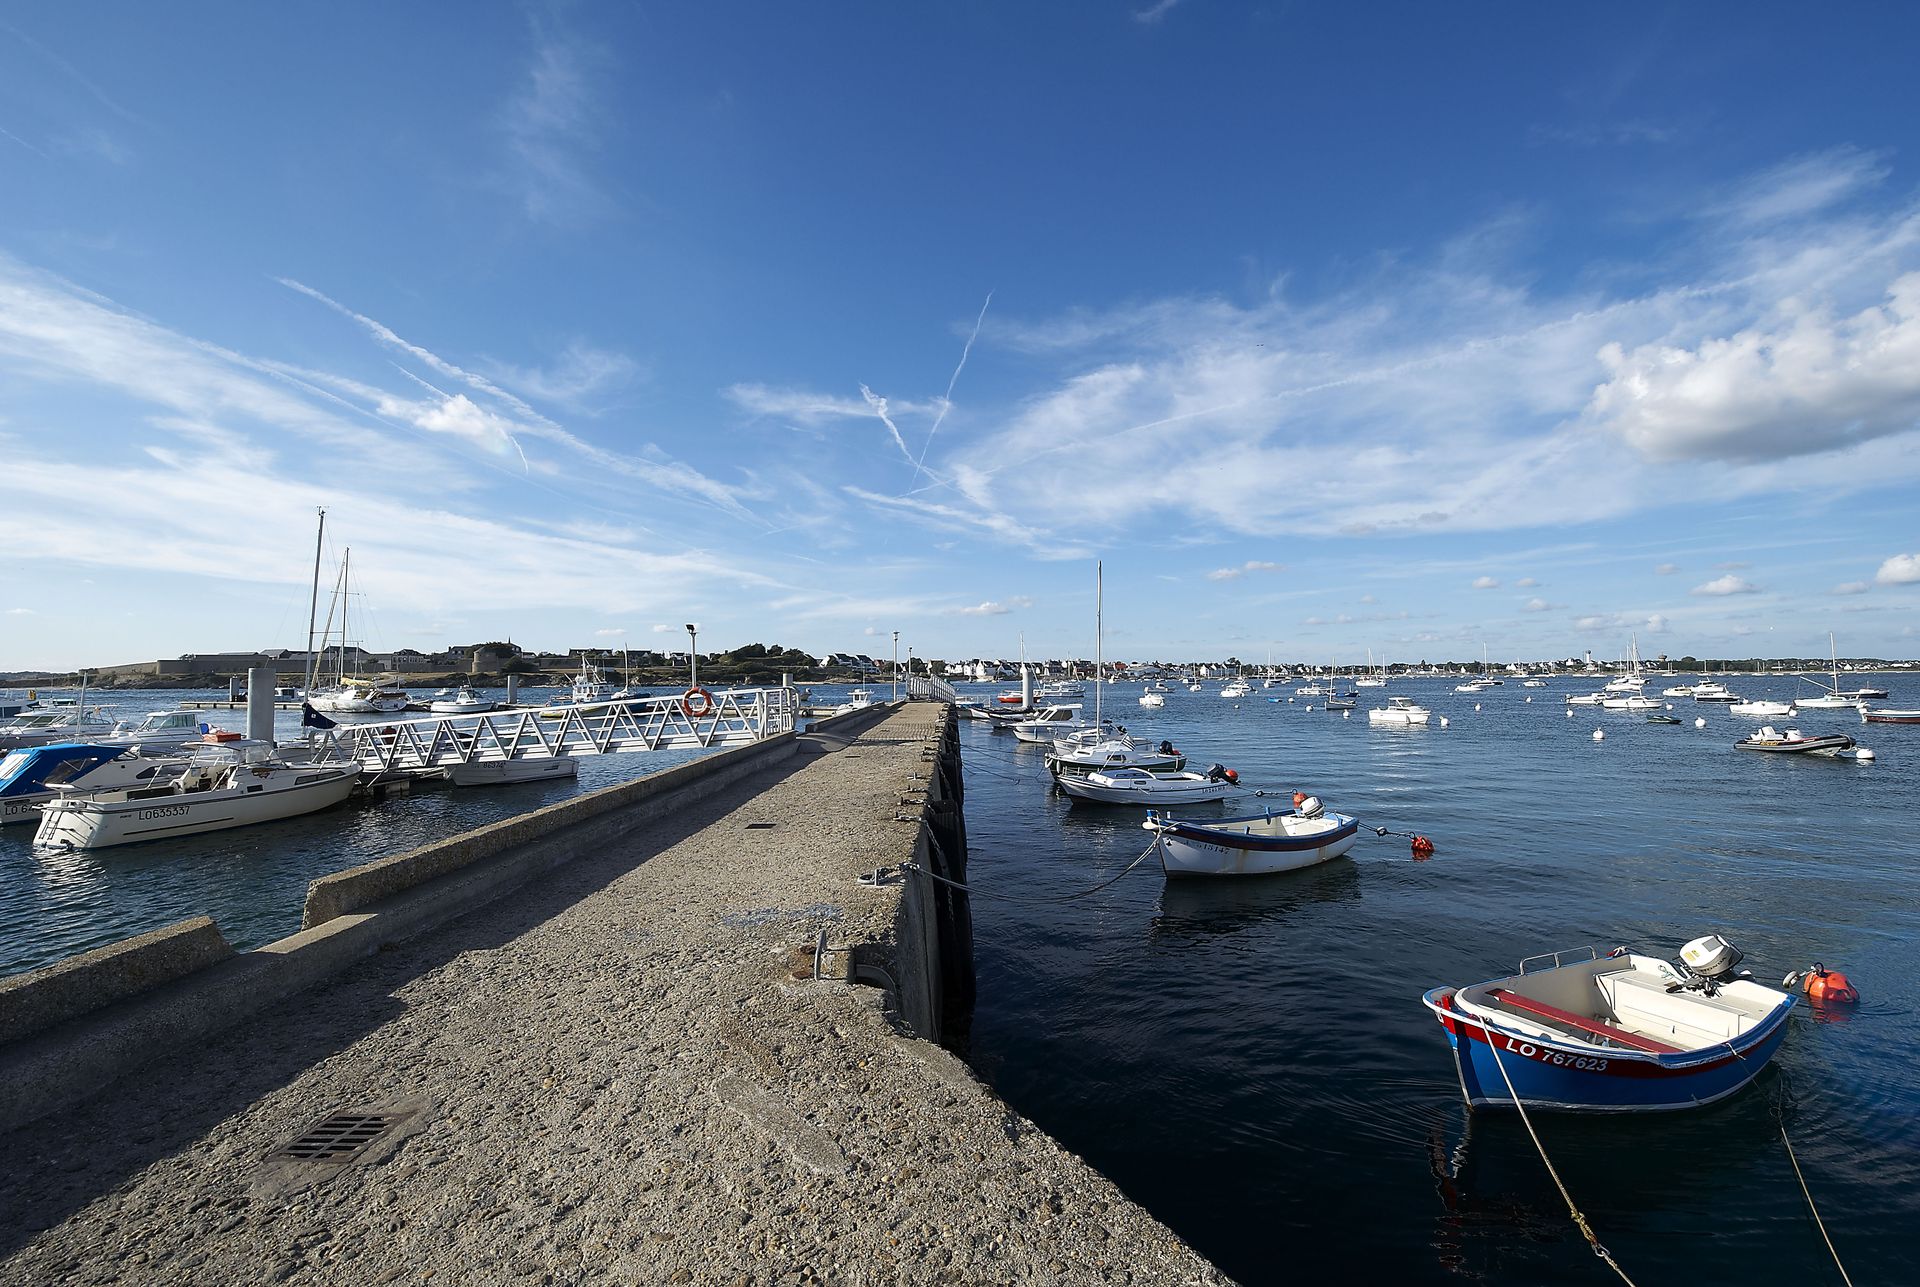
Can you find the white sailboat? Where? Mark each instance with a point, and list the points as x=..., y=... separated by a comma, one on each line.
x=1832, y=698
x=1100, y=749
x=349, y=695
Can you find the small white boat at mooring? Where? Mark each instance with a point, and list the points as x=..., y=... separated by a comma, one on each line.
x=1153, y=790
x=1400, y=710
x=1256, y=845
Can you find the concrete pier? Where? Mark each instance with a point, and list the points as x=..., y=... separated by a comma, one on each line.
x=609, y=1061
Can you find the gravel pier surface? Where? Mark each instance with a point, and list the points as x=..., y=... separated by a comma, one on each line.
x=609, y=1076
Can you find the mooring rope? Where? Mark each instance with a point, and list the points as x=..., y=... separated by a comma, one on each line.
x=1579, y=1219
x=1009, y=898
x=1808, y=1194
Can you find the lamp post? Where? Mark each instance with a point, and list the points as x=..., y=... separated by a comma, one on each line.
x=896, y=665
x=693, y=657
x=909, y=672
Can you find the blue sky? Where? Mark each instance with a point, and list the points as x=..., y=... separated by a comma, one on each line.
x=1412, y=328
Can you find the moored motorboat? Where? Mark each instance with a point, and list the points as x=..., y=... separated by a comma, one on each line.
x=1631, y=702
x=54, y=723
x=1256, y=845
x=1097, y=751
x=508, y=772
x=463, y=701
x=1712, y=690
x=1049, y=725
x=1615, y=1033
x=1152, y=700
x=1661, y=719
x=1888, y=715
x=1399, y=710
x=1153, y=790
x=32, y=775
x=1794, y=742
x=1761, y=709
x=232, y=782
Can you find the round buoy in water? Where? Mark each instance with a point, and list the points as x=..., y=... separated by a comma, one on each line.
x=1862, y=753
x=1443, y=721
x=1529, y=699
x=1422, y=848
x=1346, y=714
x=1569, y=713
x=1599, y=735
x=1309, y=705
x=1824, y=986
x=1476, y=706
x=1700, y=722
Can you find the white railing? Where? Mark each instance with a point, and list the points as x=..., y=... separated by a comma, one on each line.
x=930, y=688
x=730, y=717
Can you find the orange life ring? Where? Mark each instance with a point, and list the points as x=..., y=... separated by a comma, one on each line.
x=687, y=700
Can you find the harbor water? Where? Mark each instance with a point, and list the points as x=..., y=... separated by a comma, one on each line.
x=251, y=880
x=1250, y=1060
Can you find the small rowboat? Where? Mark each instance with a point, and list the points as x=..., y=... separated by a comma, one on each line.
x=1256, y=845
x=1615, y=1033
x=1887, y=715
x=1155, y=790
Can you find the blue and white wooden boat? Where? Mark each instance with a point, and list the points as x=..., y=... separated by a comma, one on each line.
x=1256, y=845
x=1615, y=1033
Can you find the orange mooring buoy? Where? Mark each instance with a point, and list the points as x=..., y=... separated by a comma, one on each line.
x=1824, y=986
x=1422, y=848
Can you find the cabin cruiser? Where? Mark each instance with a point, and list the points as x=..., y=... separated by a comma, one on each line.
x=33, y=775
x=462, y=702
x=57, y=723
x=1399, y=710
x=229, y=782
x=1712, y=690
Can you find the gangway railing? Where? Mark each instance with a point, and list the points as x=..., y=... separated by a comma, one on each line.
x=930, y=688
x=693, y=721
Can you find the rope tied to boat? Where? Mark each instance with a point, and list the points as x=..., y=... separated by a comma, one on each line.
x=1009, y=898
x=1579, y=1217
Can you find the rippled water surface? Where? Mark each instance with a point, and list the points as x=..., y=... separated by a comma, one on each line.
x=252, y=880
x=1251, y=1061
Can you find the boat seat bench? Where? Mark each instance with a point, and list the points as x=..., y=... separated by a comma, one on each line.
x=1579, y=1022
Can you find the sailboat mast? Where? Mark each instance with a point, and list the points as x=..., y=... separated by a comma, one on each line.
x=346, y=558
x=313, y=609
x=1099, y=634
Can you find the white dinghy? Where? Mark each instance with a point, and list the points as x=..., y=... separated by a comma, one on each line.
x=1154, y=790
x=1257, y=845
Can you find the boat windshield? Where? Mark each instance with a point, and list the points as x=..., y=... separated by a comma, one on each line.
x=15, y=761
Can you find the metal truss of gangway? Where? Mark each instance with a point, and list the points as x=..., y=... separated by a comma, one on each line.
x=694, y=721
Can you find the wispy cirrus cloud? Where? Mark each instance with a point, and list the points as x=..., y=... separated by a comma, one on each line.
x=1486, y=583
x=551, y=128
x=1849, y=587
x=1250, y=566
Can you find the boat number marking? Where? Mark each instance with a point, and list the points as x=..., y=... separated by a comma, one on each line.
x=169, y=811
x=1527, y=1050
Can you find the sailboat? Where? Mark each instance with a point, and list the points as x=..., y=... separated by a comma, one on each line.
x=1833, y=698
x=349, y=695
x=1374, y=678
x=1101, y=747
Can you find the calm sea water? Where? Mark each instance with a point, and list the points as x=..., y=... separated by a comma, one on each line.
x=1251, y=1061
x=252, y=880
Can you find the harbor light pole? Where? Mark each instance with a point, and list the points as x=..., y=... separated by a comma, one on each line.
x=693, y=657
x=896, y=665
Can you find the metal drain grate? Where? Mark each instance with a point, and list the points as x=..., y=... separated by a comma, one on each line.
x=339, y=1138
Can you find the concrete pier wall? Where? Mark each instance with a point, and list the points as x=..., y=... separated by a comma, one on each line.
x=656, y=1062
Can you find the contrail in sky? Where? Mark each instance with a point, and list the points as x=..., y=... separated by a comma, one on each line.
x=879, y=405
x=946, y=403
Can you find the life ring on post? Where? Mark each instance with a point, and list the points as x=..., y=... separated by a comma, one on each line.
x=696, y=702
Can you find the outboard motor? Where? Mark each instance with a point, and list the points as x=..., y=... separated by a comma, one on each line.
x=1221, y=773
x=1307, y=806
x=1710, y=960
x=1166, y=748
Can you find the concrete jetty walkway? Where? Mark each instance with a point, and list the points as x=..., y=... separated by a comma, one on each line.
x=611, y=1075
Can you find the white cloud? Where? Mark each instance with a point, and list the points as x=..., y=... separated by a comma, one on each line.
x=581, y=373
x=1808, y=383
x=1537, y=605
x=1666, y=569
x=1367, y=598
x=1486, y=583
x=551, y=127
x=664, y=629
x=1655, y=624
x=1850, y=587
x=1153, y=13
x=1901, y=569
x=1525, y=583
x=984, y=610
x=1728, y=584
x=609, y=632
x=1800, y=187
x=21, y=612
x=1251, y=565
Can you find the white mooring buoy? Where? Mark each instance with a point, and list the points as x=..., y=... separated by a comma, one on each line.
x=1700, y=723
x=1599, y=735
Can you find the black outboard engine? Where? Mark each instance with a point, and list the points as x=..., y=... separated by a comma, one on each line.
x=1166, y=748
x=1216, y=773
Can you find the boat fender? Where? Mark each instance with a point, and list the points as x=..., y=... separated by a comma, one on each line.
x=696, y=702
x=1823, y=985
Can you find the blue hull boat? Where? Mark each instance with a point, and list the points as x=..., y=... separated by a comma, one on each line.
x=1616, y=1033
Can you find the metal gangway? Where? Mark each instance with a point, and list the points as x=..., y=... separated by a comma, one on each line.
x=930, y=688
x=694, y=720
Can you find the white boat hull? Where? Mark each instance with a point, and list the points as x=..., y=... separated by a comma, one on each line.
x=98, y=822
x=1402, y=718
x=509, y=772
x=1152, y=792
x=1257, y=846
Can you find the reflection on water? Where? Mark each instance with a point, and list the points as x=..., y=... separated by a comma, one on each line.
x=1191, y=910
